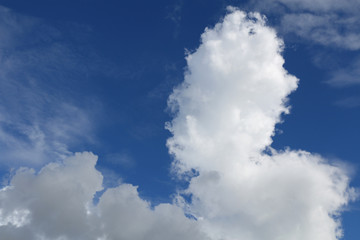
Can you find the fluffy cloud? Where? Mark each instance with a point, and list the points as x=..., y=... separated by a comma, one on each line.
x=234, y=93
x=57, y=203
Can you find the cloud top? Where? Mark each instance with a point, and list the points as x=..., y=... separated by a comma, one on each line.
x=234, y=92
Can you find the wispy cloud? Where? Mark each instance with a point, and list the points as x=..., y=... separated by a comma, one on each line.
x=326, y=22
x=39, y=115
x=326, y=29
x=347, y=76
x=174, y=14
x=349, y=102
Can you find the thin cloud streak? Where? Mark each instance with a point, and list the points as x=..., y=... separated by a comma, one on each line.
x=39, y=117
x=325, y=22
x=348, y=76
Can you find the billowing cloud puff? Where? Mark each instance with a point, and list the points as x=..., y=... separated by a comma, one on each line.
x=57, y=203
x=235, y=91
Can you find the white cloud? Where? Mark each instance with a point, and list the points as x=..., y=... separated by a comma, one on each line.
x=56, y=198
x=56, y=203
x=235, y=91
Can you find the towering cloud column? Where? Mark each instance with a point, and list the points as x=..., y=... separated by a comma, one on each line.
x=234, y=92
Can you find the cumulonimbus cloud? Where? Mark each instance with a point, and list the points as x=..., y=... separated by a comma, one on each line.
x=235, y=91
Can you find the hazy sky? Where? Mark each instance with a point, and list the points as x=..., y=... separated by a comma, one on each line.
x=201, y=119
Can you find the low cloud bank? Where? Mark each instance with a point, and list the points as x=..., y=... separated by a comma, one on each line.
x=57, y=203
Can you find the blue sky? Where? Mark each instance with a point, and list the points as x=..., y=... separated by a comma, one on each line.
x=88, y=76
